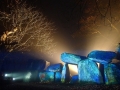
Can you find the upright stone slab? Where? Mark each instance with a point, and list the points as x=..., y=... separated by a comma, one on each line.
x=71, y=58
x=74, y=79
x=88, y=72
x=112, y=74
x=46, y=77
x=65, y=77
x=102, y=57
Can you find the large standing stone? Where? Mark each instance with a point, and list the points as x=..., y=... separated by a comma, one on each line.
x=71, y=58
x=55, y=67
x=88, y=72
x=58, y=77
x=46, y=77
x=112, y=74
x=102, y=57
x=65, y=77
x=74, y=79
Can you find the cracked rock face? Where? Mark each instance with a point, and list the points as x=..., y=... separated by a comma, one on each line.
x=88, y=72
x=71, y=58
x=102, y=57
x=112, y=74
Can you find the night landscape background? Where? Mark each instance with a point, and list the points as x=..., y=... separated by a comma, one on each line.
x=81, y=26
x=75, y=36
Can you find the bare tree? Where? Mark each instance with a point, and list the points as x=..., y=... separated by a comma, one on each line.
x=100, y=18
x=26, y=28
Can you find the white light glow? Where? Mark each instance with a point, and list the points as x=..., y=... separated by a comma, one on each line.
x=73, y=69
x=14, y=79
x=28, y=75
x=6, y=75
x=98, y=65
x=47, y=64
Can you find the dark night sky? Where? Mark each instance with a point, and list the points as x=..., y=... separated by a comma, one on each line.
x=60, y=12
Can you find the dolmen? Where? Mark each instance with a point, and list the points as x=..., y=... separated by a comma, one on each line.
x=88, y=70
x=51, y=74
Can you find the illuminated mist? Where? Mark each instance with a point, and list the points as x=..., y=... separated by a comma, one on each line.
x=106, y=40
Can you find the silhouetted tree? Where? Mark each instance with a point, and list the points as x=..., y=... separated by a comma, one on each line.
x=26, y=28
x=97, y=17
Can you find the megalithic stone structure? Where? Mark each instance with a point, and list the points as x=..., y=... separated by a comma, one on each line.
x=57, y=69
x=65, y=77
x=46, y=77
x=88, y=72
x=102, y=57
x=71, y=58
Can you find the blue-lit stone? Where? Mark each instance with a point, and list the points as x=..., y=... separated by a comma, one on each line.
x=17, y=61
x=46, y=77
x=58, y=77
x=88, y=72
x=55, y=67
x=74, y=79
x=71, y=58
x=112, y=74
x=102, y=57
x=65, y=77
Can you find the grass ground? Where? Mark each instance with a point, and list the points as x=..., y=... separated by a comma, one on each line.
x=54, y=86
